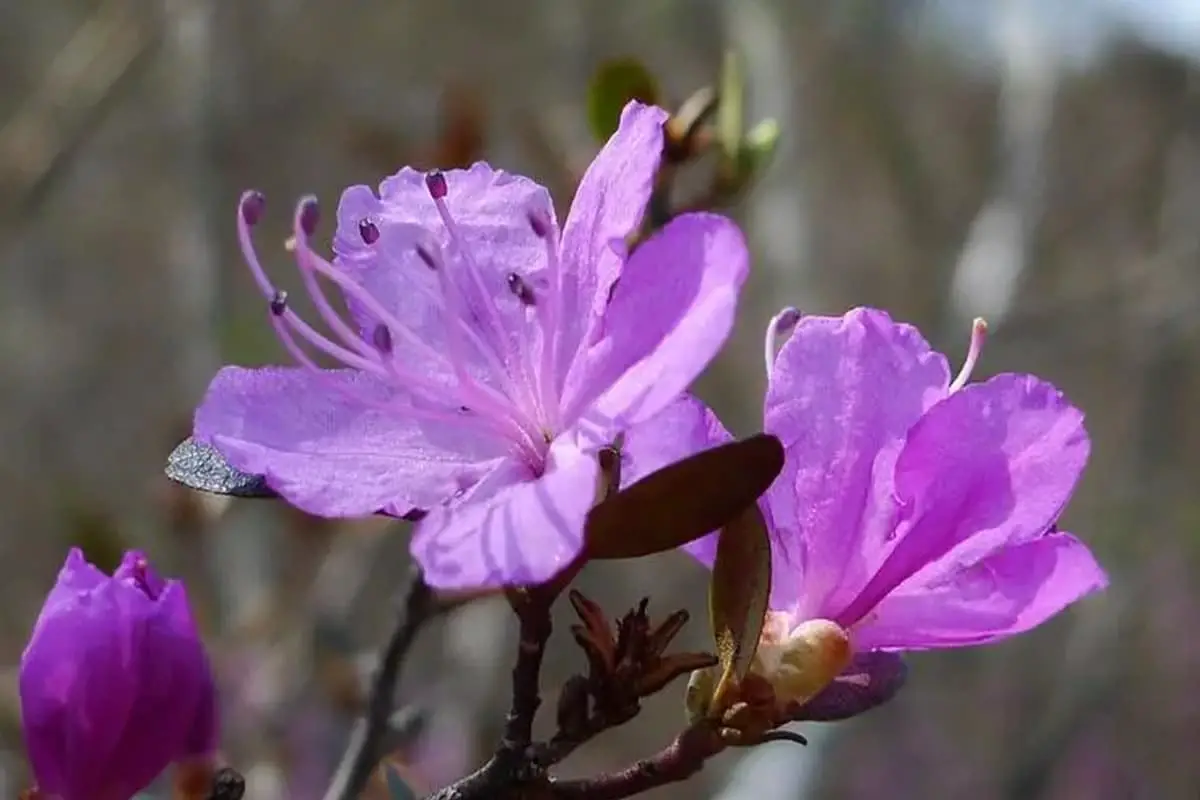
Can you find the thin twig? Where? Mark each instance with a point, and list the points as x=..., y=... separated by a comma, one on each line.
x=363, y=753
x=679, y=761
x=533, y=614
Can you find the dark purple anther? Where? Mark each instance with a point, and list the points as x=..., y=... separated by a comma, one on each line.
x=253, y=204
x=426, y=256
x=279, y=303
x=539, y=220
x=381, y=337
x=310, y=213
x=368, y=230
x=520, y=289
x=435, y=181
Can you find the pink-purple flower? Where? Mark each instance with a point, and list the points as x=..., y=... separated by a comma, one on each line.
x=487, y=355
x=114, y=683
x=913, y=511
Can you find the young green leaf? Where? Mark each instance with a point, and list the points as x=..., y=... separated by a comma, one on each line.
x=684, y=501
x=613, y=86
x=738, y=593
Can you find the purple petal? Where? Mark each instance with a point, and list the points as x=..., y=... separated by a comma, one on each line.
x=871, y=680
x=514, y=527
x=670, y=313
x=491, y=210
x=842, y=395
x=608, y=206
x=76, y=684
x=684, y=428
x=331, y=456
x=992, y=465
x=171, y=716
x=1011, y=592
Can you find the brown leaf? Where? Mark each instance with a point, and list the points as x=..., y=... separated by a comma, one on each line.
x=669, y=668
x=738, y=593
x=684, y=501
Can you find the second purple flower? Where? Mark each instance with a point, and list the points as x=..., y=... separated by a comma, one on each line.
x=487, y=355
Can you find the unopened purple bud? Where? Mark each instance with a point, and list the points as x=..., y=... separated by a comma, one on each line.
x=100, y=643
x=253, y=203
x=435, y=182
x=520, y=289
x=539, y=221
x=381, y=337
x=279, y=303
x=309, y=215
x=368, y=230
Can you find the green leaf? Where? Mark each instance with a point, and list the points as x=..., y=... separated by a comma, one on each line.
x=758, y=149
x=397, y=788
x=683, y=501
x=613, y=86
x=731, y=109
x=738, y=593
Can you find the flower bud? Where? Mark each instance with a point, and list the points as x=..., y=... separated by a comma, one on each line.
x=114, y=683
x=806, y=661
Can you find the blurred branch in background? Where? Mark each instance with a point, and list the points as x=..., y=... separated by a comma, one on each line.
x=88, y=76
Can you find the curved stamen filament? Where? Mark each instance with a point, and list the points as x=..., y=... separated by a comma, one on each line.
x=474, y=273
x=478, y=396
x=780, y=326
x=974, y=350
x=453, y=319
x=486, y=402
x=304, y=222
x=550, y=313
x=303, y=359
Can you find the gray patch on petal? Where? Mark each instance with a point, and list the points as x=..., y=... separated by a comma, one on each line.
x=199, y=466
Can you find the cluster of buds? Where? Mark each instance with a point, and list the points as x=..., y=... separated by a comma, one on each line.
x=624, y=666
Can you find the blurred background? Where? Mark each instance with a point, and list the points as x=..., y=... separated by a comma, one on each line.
x=1036, y=162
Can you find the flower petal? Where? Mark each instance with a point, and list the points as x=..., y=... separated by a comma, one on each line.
x=992, y=465
x=608, y=206
x=514, y=527
x=1011, y=592
x=685, y=427
x=842, y=395
x=331, y=456
x=670, y=313
x=491, y=212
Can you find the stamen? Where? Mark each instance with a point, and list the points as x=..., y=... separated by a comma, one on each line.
x=438, y=189
x=520, y=289
x=483, y=397
x=252, y=206
x=427, y=256
x=368, y=230
x=974, y=350
x=381, y=337
x=435, y=182
x=304, y=224
x=488, y=424
x=279, y=303
x=780, y=326
x=539, y=221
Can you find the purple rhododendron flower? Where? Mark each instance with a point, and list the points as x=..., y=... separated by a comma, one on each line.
x=114, y=683
x=487, y=356
x=913, y=511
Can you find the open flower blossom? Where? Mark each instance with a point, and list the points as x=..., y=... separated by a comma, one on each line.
x=486, y=355
x=913, y=511
x=115, y=685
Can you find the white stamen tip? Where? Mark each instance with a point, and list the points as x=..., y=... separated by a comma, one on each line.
x=974, y=351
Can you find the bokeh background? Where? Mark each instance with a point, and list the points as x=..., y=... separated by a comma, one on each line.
x=1036, y=162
